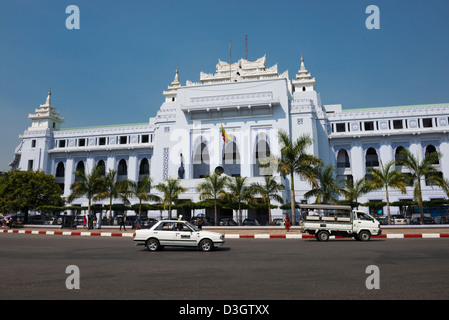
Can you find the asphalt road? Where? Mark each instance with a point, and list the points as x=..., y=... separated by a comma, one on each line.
x=34, y=267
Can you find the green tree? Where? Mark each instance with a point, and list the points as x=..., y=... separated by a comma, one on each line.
x=111, y=189
x=327, y=191
x=354, y=190
x=294, y=159
x=213, y=188
x=387, y=177
x=239, y=192
x=142, y=190
x=269, y=190
x=26, y=191
x=171, y=190
x=420, y=170
x=87, y=185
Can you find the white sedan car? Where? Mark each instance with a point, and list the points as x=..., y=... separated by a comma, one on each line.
x=177, y=233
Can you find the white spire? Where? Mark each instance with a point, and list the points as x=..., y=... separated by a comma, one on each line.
x=46, y=116
x=303, y=81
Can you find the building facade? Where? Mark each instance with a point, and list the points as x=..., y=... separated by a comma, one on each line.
x=251, y=102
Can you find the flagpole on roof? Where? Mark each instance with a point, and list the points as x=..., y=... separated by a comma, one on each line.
x=230, y=61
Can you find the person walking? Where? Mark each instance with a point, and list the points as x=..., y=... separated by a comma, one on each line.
x=122, y=222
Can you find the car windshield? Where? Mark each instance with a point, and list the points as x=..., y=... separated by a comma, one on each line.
x=191, y=226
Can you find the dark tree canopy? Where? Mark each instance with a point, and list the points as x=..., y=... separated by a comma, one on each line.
x=21, y=191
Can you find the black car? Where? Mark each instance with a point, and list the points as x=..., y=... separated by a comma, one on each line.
x=227, y=222
x=426, y=220
x=251, y=222
x=202, y=221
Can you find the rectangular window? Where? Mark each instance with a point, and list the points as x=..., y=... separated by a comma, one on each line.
x=81, y=142
x=102, y=141
x=427, y=123
x=61, y=143
x=397, y=124
x=369, y=126
x=30, y=164
x=341, y=127
x=123, y=139
x=33, y=143
x=145, y=138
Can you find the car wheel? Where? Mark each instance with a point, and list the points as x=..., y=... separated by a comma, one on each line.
x=206, y=245
x=153, y=245
x=364, y=235
x=323, y=236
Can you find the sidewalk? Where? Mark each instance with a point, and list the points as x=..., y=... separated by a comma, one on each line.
x=388, y=232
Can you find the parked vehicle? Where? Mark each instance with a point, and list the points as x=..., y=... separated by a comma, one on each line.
x=177, y=233
x=203, y=220
x=227, y=222
x=251, y=222
x=333, y=220
x=425, y=220
x=279, y=221
x=398, y=219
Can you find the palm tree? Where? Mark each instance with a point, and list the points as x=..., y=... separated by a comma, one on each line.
x=239, y=191
x=419, y=170
x=86, y=185
x=328, y=189
x=171, y=190
x=213, y=188
x=387, y=177
x=294, y=159
x=269, y=191
x=353, y=191
x=142, y=190
x=112, y=189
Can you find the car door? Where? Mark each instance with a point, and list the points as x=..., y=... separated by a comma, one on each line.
x=166, y=233
x=184, y=236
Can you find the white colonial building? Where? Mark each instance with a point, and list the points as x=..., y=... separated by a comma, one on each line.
x=251, y=102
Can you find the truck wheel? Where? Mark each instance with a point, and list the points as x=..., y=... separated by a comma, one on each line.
x=206, y=245
x=323, y=236
x=364, y=236
x=153, y=245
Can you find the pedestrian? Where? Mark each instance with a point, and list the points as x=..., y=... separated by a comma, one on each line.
x=122, y=223
x=138, y=222
x=287, y=222
x=84, y=222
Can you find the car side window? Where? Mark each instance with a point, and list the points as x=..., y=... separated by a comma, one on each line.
x=165, y=226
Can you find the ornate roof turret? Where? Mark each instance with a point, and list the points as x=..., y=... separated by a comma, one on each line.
x=303, y=81
x=170, y=95
x=46, y=116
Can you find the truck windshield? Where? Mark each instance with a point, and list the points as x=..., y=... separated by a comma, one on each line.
x=363, y=216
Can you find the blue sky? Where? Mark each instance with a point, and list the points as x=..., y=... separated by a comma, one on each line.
x=114, y=68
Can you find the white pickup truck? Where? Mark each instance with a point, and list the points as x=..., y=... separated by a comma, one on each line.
x=324, y=221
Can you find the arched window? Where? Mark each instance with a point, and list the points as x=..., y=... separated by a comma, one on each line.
x=371, y=158
x=200, y=160
x=398, y=156
x=343, y=159
x=60, y=170
x=79, y=167
x=144, y=167
x=262, y=153
x=122, y=169
x=102, y=165
x=231, y=159
x=431, y=149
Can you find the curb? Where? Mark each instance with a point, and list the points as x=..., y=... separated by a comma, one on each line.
x=229, y=236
